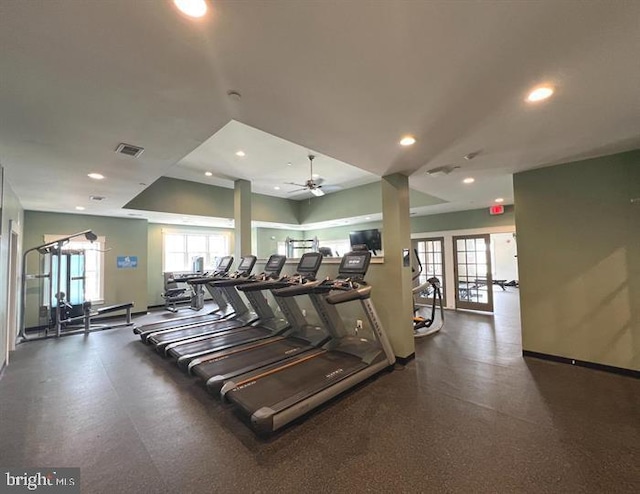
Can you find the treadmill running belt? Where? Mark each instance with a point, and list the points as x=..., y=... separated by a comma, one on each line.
x=174, y=323
x=234, y=364
x=219, y=342
x=195, y=331
x=286, y=387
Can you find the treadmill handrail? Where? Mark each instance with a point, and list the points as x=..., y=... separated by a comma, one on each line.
x=276, y=284
x=349, y=295
x=301, y=289
x=233, y=281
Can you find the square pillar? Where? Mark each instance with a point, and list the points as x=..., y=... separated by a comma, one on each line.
x=242, y=217
x=395, y=303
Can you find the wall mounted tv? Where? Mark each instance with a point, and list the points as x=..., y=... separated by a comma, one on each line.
x=371, y=238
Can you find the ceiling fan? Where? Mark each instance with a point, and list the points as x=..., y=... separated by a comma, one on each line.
x=312, y=186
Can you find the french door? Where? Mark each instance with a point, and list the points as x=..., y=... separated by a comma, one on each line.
x=431, y=255
x=472, y=270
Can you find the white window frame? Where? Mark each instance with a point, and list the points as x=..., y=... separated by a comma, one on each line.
x=209, y=261
x=97, y=245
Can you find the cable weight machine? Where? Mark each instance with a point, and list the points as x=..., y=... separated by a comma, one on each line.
x=295, y=248
x=60, y=288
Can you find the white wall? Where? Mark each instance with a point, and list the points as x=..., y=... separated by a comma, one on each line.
x=12, y=217
x=503, y=256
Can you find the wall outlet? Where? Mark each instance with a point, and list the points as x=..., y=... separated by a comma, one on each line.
x=358, y=325
x=304, y=312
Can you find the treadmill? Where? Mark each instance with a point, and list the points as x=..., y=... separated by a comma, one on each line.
x=267, y=324
x=238, y=307
x=274, y=395
x=222, y=310
x=220, y=366
x=241, y=321
x=231, y=307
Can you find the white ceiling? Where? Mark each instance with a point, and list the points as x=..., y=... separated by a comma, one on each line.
x=345, y=79
x=268, y=162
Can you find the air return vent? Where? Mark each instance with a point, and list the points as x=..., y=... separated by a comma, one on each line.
x=97, y=198
x=129, y=150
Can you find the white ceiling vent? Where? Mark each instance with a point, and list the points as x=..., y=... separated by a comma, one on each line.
x=129, y=150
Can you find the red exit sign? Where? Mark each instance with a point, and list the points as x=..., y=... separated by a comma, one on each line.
x=496, y=209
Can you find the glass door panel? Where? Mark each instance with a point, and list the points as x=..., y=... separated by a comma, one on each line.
x=431, y=255
x=474, y=286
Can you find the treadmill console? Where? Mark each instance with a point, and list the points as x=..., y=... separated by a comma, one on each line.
x=224, y=264
x=354, y=264
x=309, y=263
x=274, y=265
x=246, y=265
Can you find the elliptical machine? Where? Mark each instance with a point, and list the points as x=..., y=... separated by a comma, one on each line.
x=423, y=326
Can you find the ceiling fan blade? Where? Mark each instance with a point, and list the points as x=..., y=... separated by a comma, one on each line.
x=296, y=190
x=317, y=192
x=293, y=183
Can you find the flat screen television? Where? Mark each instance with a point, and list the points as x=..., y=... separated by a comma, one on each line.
x=371, y=238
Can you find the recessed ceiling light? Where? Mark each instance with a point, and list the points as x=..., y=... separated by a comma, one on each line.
x=208, y=174
x=240, y=153
x=95, y=176
x=499, y=199
x=192, y=8
x=539, y=94
x=80, y=208
x=289, y=164
x=469, y=180
x=407, y=141
x=277, y=188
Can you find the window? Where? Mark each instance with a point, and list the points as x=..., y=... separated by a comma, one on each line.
x=338, y=247
x=93, y=265
x=179, y=249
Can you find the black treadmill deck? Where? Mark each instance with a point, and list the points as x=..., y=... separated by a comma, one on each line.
x=229, y=365
x=286, y=387
x=219, y=342
x=174, y=323
x=189, y=332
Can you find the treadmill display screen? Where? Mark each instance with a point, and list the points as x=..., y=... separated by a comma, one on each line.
x=224, y=264
x=355, y=263
x=275, y=263
x=310, y=262
x=246, y=263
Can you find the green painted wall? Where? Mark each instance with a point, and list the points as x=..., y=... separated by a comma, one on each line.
x=358, y=201
x=579, y=259
x=274, y=209
x=462, y=220
x=125, y=237
x=11, y=211
x=341, y=232
x=170, y=195
x=155, y=278
x=267, y=240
